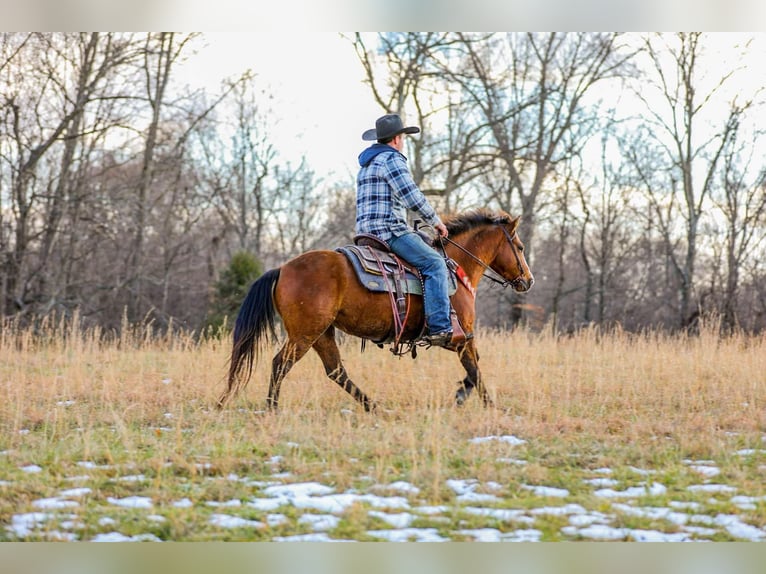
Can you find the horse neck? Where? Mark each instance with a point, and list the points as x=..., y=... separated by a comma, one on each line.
x=480, y=242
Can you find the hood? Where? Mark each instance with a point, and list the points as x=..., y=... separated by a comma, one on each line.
x=371, y=152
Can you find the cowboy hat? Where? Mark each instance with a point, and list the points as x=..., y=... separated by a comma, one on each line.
x=388, y=126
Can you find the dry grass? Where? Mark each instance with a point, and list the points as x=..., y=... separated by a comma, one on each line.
x=582, y=402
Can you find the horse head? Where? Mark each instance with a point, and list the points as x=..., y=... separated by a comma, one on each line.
x=492, y=241
x=509, y=260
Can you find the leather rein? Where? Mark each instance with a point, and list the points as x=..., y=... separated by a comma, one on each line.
x=502, y=281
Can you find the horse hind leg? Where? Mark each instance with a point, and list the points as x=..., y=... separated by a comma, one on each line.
x=290, y=353
x=328, y=352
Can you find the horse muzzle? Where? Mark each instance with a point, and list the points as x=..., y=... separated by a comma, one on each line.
x=521, y=285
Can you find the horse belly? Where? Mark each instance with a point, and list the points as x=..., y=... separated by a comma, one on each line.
x=371, y=315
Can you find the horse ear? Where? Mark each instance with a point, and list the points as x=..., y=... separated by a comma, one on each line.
x=515, y=223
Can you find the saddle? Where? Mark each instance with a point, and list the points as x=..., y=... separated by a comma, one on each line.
x=381, y=271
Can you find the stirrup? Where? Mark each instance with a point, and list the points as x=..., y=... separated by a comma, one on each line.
x=443, y=339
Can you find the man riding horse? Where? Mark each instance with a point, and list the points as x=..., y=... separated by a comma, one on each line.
x=385, y=191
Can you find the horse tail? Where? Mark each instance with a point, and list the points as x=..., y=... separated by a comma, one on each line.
x=256, y=319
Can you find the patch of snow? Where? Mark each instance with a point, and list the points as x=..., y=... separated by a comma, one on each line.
x=655, y=489
x=31, y=469
x=528, y=535
x=276, y=519
x=708, y=471
x=132, y=478
x=233, y=503
x=320, y=522
x=547, y=491
x=118, y=537
x=597, y=532
x=739, y=529
x=494, y=535
x=601, y=482
x=747, y=502
x=183, y=503
x=589, y=519
x=509, y=439
x=700, y=530
x=401, y=520
x=706, y=462
x=54, y=503
x=267, y=504
x=711, y=488
x=296, y=490
x=482, y=534
x=462, y=486
x=657, y=536
x=653, y=513
x=92, y=465
x=399, y=486
x=641, y=471
x=227, y=521
x=409, y=534
x=478, y=498
x=131, y=502
x=337, y=503
x=75, y=492
x=565, y=510
x=748, y=451
x=318, y=537
x=23, y=525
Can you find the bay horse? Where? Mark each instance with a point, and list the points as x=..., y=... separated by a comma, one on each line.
x=317, y=292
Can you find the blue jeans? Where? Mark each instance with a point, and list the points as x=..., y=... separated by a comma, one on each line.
x=436, y=305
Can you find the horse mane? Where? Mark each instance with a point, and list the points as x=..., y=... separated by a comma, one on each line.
x=467, y=220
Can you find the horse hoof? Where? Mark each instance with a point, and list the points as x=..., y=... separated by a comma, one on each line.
x=460, y=397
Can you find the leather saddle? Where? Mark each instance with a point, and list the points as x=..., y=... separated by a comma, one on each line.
x=380, y=270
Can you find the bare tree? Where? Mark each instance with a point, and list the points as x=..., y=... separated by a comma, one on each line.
x=675, y=104
x=741, y=199
x=239, y=174
x=52, y=118
x=533, y=94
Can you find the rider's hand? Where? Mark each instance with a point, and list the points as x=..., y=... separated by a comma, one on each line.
x=441, y=229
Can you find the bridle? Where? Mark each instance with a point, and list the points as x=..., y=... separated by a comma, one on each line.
x=502, y=281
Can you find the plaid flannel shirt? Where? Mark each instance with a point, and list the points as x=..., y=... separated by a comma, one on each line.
x=385, y=191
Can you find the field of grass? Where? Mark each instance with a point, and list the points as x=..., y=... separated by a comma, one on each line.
x=614, y=437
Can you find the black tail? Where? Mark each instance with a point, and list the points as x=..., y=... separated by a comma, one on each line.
x=256, y=316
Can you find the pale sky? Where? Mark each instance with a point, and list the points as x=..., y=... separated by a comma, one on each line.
x=322, y=106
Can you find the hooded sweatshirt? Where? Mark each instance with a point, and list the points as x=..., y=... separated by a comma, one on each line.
x=385, y=191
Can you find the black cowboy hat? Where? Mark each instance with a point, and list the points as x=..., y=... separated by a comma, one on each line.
x=388, y=126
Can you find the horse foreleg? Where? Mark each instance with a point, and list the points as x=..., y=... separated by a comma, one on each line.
x=290, y=353
x=469, y=358
x=328, y=352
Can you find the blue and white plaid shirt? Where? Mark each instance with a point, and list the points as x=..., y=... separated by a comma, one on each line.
x=385, y=191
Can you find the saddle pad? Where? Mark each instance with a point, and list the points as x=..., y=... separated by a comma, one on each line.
x=364, y=260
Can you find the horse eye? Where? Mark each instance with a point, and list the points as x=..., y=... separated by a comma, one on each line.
x=521, y=248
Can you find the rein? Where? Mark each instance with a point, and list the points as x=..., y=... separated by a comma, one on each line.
x=502, y=281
